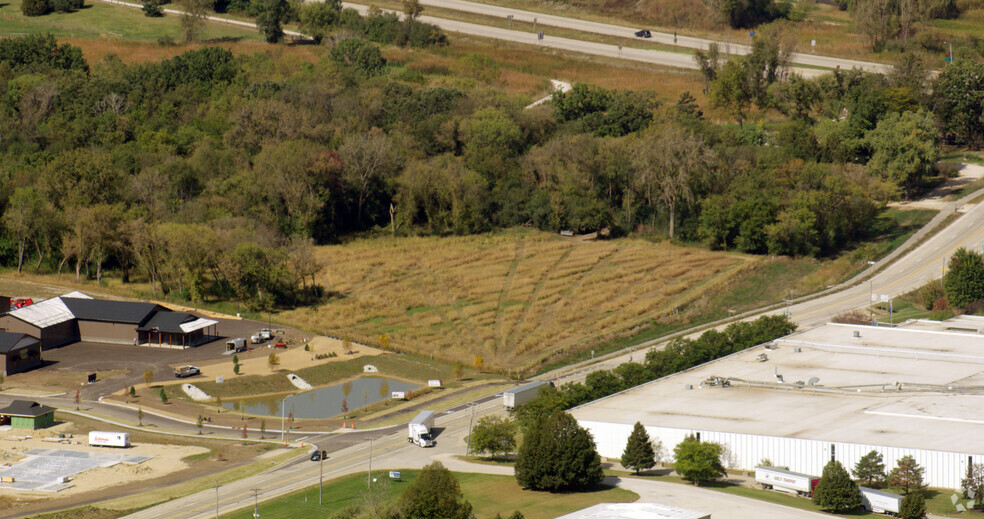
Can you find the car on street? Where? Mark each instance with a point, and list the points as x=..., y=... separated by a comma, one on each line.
x=187, y=371
x=644, y=34
x=319, y=455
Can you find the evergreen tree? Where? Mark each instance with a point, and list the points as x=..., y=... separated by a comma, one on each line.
x=913, y=506
x=836, y=492
x=907, y=476
x=558, y=455
x=35, y=7
x=152, y=8
x=870, y=470
x=273, y=14
x=435, y=493
x=964, y=279
x=639, y=454
x=698, y=461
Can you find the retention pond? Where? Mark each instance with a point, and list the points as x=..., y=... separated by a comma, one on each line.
x=325, y=402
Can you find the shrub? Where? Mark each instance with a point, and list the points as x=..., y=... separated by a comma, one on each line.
x=35, y=7
x=362, y=56
x=152, y=9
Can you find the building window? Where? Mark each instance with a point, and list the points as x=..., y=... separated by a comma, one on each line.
x=698, y=437
x=833, y=452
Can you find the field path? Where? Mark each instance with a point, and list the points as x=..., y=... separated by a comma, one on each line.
x=603, y=261
x=498, y=338
x=518, y=325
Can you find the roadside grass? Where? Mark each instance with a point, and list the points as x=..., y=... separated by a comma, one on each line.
x=488, y=494
x=101, y=20
x=86, y=512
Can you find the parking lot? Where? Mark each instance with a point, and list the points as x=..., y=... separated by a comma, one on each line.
x=50, y=470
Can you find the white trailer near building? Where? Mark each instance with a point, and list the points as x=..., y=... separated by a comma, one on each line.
x=517, y=396
x=419, y=429
x=109, y=439
x=786, y=480
x=880, y=501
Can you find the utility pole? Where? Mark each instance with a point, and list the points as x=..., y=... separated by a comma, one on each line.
x=369, y=475
x=321, y=477
x=216, y=499
x=256, y=499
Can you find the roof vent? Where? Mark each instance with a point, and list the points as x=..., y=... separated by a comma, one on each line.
x=813, y=381
x=797, y=349
x=857, y=334
x=688, y=386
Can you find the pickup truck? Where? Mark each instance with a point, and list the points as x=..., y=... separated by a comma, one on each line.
x=262, y=336
x=187, y=371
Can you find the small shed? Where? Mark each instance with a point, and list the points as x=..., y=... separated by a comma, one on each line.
x=18, y=352
x=24, y=414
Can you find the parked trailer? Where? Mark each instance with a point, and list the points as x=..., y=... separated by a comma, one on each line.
x=880, y=501
x=419, y=429
x=786, y=480
x=517, y=396
x=236, y=345
x=109, y=439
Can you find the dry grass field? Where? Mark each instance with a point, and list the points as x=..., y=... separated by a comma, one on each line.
x=516, y=298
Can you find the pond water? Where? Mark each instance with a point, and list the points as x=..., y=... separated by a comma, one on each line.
x=325, y=402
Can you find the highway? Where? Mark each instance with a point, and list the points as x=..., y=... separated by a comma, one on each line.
x=549, y=20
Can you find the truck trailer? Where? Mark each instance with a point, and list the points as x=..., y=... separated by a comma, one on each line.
x=880, y=501
x=236, y=345
x=419, y=429
x=517, y=396
x=109, y=439
x=786, y=481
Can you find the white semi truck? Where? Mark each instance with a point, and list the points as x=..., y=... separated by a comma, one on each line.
x=109, y=439
x=517, y=396
x=880, y=501
x=419, y=429
x=786, y=480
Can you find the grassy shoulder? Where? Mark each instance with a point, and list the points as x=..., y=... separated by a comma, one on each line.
x=488, y=494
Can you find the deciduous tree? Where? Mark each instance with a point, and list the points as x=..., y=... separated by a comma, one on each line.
x=317, y=18
x=435, y=493
x=698, y=461
x=271, y=17
x=494, y=435
x=963, y=282
x=907, y=475
x=193, y=13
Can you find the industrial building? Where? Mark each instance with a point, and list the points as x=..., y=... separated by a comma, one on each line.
x=76, y=317
x=834, y=392
x=24, y=414
x=18, y=352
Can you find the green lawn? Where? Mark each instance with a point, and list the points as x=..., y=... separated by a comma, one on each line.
x=100, y=20
x=488, y=494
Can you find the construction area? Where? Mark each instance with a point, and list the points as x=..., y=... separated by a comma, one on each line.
x=834, y=392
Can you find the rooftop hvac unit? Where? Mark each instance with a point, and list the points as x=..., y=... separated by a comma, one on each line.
x=797, y=349
x=813, y=381
x=857, y=334
x=688, y=386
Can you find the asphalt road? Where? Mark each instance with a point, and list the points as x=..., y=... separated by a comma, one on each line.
x=549, y=20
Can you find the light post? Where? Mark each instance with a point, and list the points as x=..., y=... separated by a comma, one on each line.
x=321, y=476
x=216, y=499
x=369, y=475
x=950, y=59
x=283, y=411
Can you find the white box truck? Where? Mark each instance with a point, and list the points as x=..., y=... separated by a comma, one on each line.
x=236, y=345
x=419, y=429
x=109, y=439
x=517, y=396
x=785, y=480
x=880, y=501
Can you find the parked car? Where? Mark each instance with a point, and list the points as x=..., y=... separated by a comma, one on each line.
x=319, y=455
x=280, y=344
x=187, y=371
x=20, y=302
x=644, y=34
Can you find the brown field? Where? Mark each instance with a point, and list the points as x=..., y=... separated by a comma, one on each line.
x=516, y=298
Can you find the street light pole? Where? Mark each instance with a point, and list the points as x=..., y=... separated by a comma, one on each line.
x=216, y=499
x=321, y=477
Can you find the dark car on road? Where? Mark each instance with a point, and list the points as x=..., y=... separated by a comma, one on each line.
x=644, y=34
x=319, y=455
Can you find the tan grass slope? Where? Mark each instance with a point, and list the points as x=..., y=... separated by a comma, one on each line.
x=516, y=298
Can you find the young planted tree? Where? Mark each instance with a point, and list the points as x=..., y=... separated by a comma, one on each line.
x=459, y=370
x=140, y=415
x=193, y=13
x=836, y=492
x=133, y=392
x=479, y=363
x=201, y=422
x=163, y=396
x=973, y=485
x=435, y=493
x=262, y=428
x=914, y=506
x=494, y=435
x=870, y=470
x=273, y=360
x=698, y=461
x=639, y=453
x=148, y=376
x=907, y=476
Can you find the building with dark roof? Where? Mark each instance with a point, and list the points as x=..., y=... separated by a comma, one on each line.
x=18, y=352
x=24, y=414
x=76, y=317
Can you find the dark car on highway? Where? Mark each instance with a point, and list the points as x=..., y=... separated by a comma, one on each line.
x=319, y=455
x=644, y=34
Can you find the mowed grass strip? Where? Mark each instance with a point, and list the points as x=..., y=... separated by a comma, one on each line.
x=445, y=297
x=488, y=494
x=100, y=20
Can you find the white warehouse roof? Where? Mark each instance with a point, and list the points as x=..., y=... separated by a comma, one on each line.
x=44, y=313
